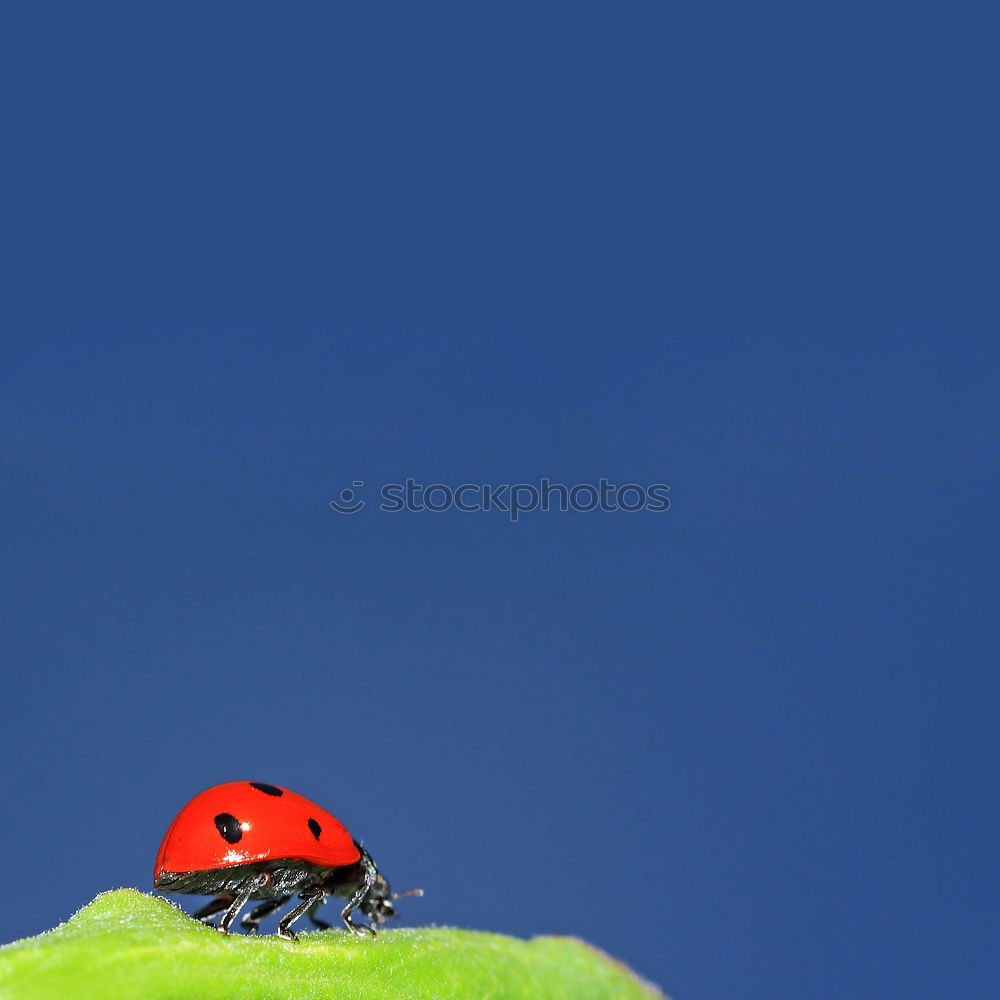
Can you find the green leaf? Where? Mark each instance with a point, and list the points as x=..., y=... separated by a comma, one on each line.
x=127, y=944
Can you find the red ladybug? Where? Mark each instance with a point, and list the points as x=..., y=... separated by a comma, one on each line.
x=248, y=840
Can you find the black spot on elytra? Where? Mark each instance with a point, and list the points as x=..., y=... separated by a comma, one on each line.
x=316, y=828
x=266, y=789
x=229, y=827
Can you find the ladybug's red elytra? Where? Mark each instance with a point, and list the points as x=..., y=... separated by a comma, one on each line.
x=249, y=840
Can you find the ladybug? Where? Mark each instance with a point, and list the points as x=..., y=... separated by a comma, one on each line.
x=249, y=840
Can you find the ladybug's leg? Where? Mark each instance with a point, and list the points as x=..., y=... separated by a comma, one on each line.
x=217, y=905
x=249, y=888
x=309, y=897
x=252, y=920
x=234, y=908
x=370, y=877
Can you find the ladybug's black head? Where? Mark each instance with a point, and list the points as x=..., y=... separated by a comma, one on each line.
x=377, y=905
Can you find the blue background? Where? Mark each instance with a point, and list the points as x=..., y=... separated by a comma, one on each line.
x=254, y=254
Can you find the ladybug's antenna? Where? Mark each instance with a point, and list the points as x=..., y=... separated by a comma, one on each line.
x=409, y=892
